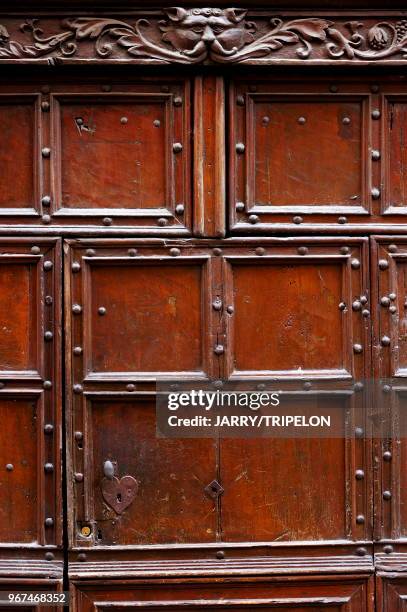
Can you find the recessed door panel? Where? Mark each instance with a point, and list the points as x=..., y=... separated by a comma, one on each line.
x=323, y=594
x=293, y=313
x=156, y=494
x=18, y=149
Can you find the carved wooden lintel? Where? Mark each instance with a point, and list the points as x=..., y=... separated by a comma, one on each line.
x=206, y=35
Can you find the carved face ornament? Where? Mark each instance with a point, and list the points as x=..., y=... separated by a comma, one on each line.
x=200, y=32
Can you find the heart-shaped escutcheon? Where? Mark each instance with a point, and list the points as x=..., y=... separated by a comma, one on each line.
x=119, y=494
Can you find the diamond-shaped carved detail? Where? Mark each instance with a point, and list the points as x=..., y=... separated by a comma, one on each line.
x=214, y=489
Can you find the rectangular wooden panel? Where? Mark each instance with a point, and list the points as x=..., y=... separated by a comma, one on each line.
x=292, y=310
x=139, y=314
x=121, y=155
x=299, y=148
x=21, y=474
x=19, y=121
x=157, y=494
x=30, y=387
x=267, y=480
x=350, y=594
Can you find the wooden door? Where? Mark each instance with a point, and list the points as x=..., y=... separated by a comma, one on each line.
x=206, y=196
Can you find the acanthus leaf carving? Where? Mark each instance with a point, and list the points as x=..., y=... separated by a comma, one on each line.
x=192, y=36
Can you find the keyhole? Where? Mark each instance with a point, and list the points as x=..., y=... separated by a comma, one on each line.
x=119, y=497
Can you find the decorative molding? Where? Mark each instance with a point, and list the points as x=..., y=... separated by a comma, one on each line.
x=206, y=35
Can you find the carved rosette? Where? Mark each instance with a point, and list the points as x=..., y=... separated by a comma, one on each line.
x=209, y=35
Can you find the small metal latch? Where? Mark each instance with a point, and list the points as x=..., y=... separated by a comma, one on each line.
x=214, y=489
x=108, y=469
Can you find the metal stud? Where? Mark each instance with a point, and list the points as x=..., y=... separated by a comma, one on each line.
x=48, y=336
x=333, y=88
x=46, y=200
x=107, y=221
x=253, y=219
x=78, y=477
x=376, y=114
x=385, y=301
x=307, y=385
x=76, y=308
x=49, y=556
x=45, y=151
x=387, y=456
x=357, y=348
x=47, y=384
x=344, y=250
x=240, y=206
x=346, y=120
x=387, y=495
x=240, y=148
x=124, y=120
x=297, y=220
x=356, y=305
x=90, y=252
x=360, y=519
x=77, y=350
x=363, y=299
x=131, y=387
x=48, y=468
x=48, y=428
x=77, y=388
x=2, y=385
x=383, y=264
x=82, y=557
x=365, y=313
x=132, y=252
x=393, y=309
x=342, y=306
x=177, y=147
x=359, y=474
x=179, y=209
x=162, y=221
x=175, y=252
x=177, y=101
x=78, y=436
x=156, y=123
x=217, y=251
x=220, y=554
x=301, y=120
x=45, y=106
x=101, y=311
x=392, y=296
x=375, y=193
x=361, y=551
x=392, y=248
x=385, y=341
x=358, y=386
x=9, y=467
x=355, y=264
x=302, y=250
x=49, y=522
x=219, y=349
x=375, y=155
x=217, y=304
x=374, y=88
x=45, y=89
x=342, y=220
x=388, y=549
x=46, y=219
x=35, y=250
x=386, y=388
x=76, y=267
x=240, y=100
x=48, y=265
x=260, y=251
x=230, y=310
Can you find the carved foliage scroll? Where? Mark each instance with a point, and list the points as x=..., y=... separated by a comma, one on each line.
x=210, y=35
